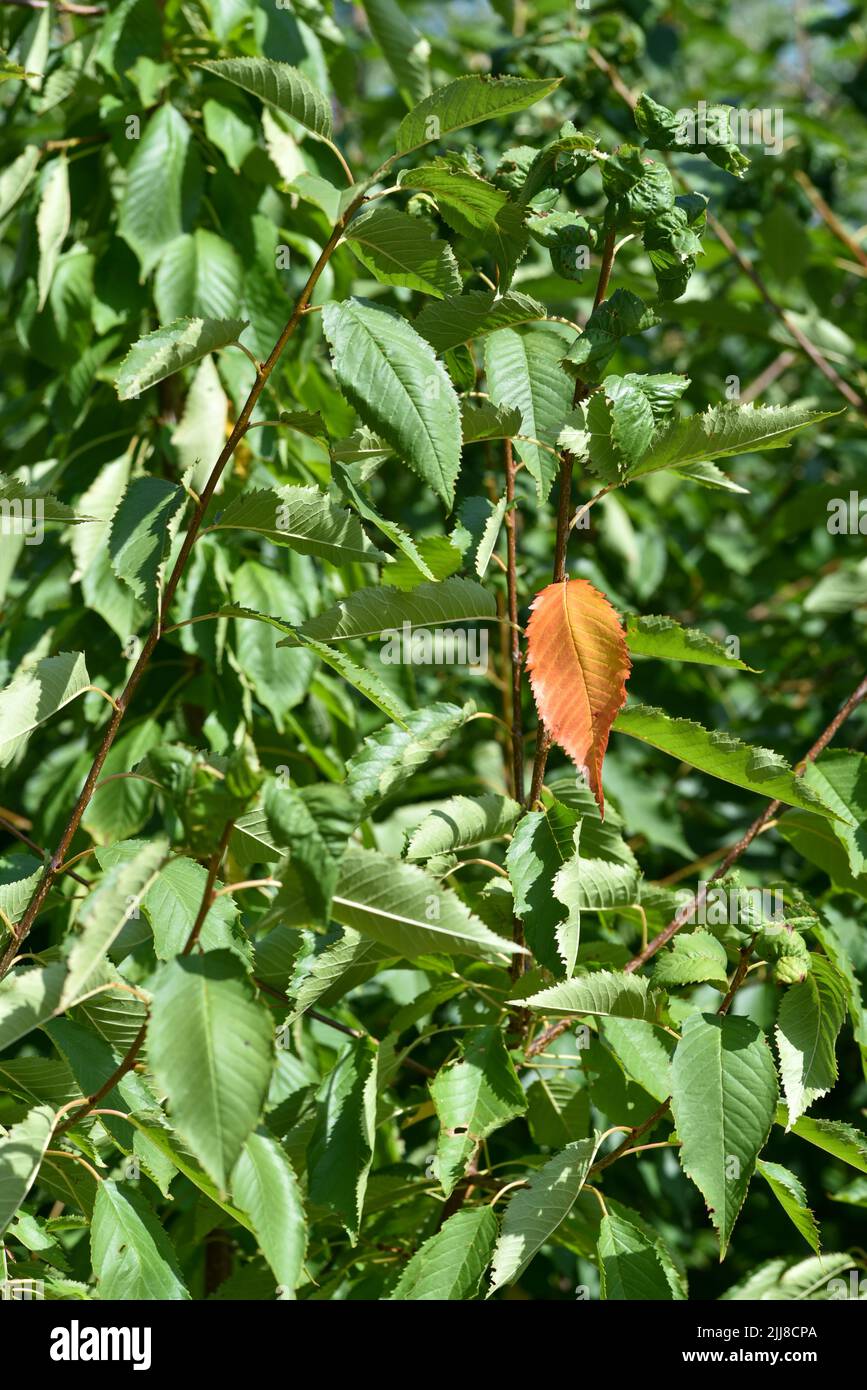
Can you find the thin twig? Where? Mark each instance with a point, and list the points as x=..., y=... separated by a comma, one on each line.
x=126, y=1064
x=688, y=910
x=739, y=975
x=829, y=217
x=31, y=844
x=208, y=894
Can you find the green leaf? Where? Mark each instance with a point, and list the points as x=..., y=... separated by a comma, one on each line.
x=839, y=778
x=302, y=518
x=602, y=992
x=21, y=1152
x=395, y=533
x=16, y=521
x=161, y=192
x=36, y=694
x=402, y=250
x=392, y=377
x=362, y=678
x=466, y=102
x=523, y=370
x=52, y=223
x=232, y=131
x=171, y=903
x=133, y=1258
x=279, y=85
x=404, y=49
x=719, y=755
x=542, y=843
x=389, y=757
x=693, y=957
x=558, y=1110
x=91, y=1059
x=791, y=1196
x=27, y=999
x=17, y=177
x=140, y=534
x=199, y=276
x=19, y=876
x=487, y=421
x=122, y=805
x=629, y=1263
x=105, y=912
x=724, y=430
x=666, y=130
x=340, y=1151
x=461, y=822
x=589, y=885
x=167, y=350
x=279, y=678
x=724, y=1098
x=535, y=1212
x=842, y=1140
x=661, y=637
x=618, y=317
x=335, y=968
x=211, y=1051
x=809, y=1021
x=474, y=208
x=643, y=1051
x=449, y=1266
x=265, y=1187
x=465, y=317
x=473, y=1096
x=388, y=613
x=313, y=824
x=400, y=906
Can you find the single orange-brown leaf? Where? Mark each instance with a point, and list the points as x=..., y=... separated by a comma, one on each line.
x=579, y=665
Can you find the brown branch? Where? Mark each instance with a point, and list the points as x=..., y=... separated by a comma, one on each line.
x=808, y=348
x=126, y=1064
x=123, y=702
x=208, y=894
x=747, y=838
x=31, y=844
x=631, y=1139
x=739, y=976
x=830, y=218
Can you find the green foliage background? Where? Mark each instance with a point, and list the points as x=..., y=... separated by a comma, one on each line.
x=139, y=188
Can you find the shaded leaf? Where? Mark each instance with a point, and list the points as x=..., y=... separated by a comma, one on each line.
x=473, y=1096
x=449, y=1266
x=167, y=350
x=211, y=1051
x=535, y=1212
